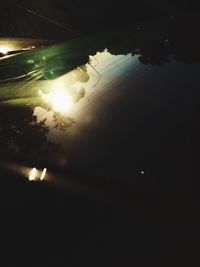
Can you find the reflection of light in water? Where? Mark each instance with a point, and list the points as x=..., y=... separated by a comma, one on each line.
x=64, y=93
x=59, y=100
x=4, y=49
x=33, y=174
x=43, y=174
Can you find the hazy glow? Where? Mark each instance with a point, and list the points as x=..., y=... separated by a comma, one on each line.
x=4, y=49
x=33, y=174
x=59, y=100
x=43, y=174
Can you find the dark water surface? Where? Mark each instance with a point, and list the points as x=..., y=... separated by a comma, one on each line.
x=121, y=187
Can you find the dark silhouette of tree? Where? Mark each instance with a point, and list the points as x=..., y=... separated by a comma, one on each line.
x=158, y=42
x=22, y=133
x=20, y=129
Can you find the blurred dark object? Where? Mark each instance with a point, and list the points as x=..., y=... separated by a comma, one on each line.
x=187, y=3
x=62, y=20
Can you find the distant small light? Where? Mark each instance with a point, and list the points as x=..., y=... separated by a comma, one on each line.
x=43, y=174
x=167, y=43
x=33, y=174
x=142, y=172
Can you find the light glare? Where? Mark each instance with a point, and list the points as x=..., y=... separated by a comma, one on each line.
x=33, y=174
x=59, y=100
x=43, y=174
x=4, y=49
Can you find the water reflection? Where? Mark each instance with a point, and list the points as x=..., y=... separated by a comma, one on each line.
x=104, y=105
x=36, y=124
x=66, y=103
x=36, y=175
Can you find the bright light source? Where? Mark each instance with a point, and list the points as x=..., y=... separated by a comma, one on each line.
x=43, y=174
x=33, y=175
x=4, y=49
x=59, y=100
